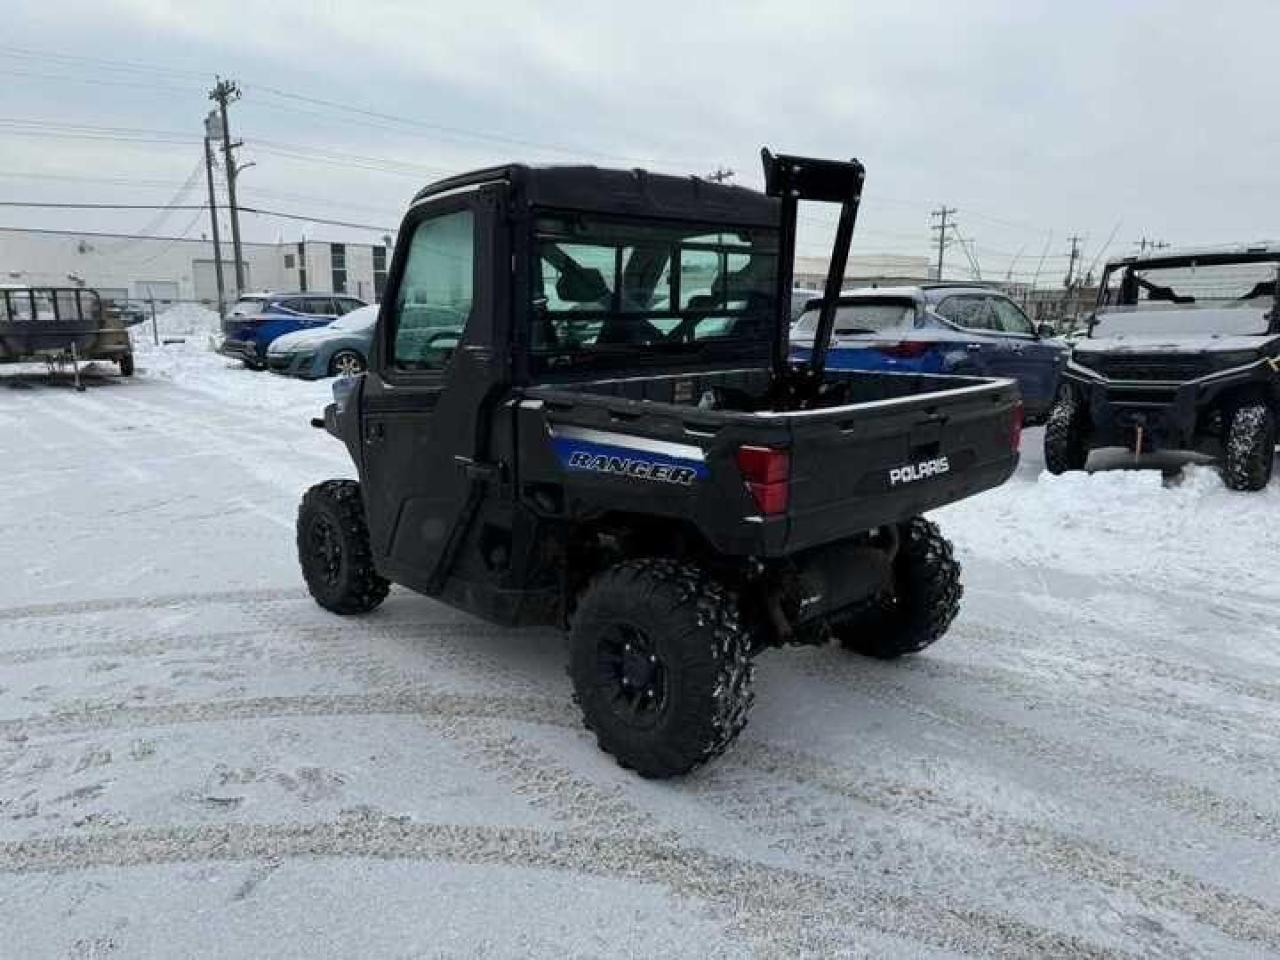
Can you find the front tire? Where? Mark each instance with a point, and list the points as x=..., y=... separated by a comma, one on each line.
x=334, y=551
x=1251, y=447
x=1065, y=436
x=126, y=365
x=346, y=363
x=660, y=666
x=919, y=607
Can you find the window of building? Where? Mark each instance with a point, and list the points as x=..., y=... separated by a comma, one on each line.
x=379, y=271
x=338, y=256
x=289, y=261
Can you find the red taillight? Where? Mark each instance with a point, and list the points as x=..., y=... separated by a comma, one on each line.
x=1016, y=436
x=767, y=473
x=906, y=350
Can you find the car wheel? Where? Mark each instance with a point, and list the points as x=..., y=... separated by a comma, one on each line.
x=1251, y=447
x=919, y=608
x=660, y=665
x=346, y=363
x=334, y=550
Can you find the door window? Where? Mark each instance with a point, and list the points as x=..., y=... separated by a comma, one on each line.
x=969, y=312
x=321, y=307
x=1009, y=318
x=434, y=298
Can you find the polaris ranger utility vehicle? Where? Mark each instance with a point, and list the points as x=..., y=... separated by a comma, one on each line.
x=579, y=411
x=1182, y=353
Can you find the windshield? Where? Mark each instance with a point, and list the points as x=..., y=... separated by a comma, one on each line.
x=854, y=318
x=624, y=291
x=1188, y=298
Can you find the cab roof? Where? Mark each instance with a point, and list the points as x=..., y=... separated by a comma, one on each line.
x=590, y=189
x=1238, y=253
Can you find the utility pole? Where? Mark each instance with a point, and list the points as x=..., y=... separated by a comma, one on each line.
x=211, y=128
x=223, y=93
x=1071, y=264
x=942, y=226
x=720, y=175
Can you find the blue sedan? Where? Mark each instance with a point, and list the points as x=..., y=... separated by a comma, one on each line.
x=940, y=328
x=257, y=319
x=340, y=349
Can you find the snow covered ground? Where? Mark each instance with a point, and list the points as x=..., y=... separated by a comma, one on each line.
x=196, y=761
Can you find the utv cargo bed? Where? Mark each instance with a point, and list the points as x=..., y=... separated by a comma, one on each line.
x=897, y=446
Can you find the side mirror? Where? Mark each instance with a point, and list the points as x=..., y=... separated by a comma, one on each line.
x=1045, y=330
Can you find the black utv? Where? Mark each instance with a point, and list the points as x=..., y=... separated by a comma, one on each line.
x=579, y=412
x=1182, y=353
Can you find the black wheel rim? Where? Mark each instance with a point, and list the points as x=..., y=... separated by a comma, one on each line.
x=632, y=676
x=326, y=550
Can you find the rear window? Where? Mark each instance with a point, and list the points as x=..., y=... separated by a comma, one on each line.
x=248, y=305
x=854, y=318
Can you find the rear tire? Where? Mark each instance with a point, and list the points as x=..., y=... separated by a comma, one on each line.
x=918, y=610
x=1065, y=440
x=334, y=551
x=1251, y=447
x=126, y=365
x=660, y=666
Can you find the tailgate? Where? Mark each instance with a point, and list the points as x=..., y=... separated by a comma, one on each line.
x=885, y=461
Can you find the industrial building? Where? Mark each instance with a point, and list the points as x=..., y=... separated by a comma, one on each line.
x=121, y=266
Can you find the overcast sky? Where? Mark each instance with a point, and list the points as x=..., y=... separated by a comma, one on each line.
x=1037, y=120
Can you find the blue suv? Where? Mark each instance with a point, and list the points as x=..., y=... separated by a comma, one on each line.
x=940, y=328
x=257, y=319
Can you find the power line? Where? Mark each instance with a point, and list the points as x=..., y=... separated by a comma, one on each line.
x=333, y=223
x=382, y=228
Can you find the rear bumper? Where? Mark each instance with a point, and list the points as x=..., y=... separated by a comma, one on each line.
x=245, y=350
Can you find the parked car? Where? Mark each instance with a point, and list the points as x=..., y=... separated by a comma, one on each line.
x=800, y=298
x=341, y=348
x=246, y=336
x=940, y=328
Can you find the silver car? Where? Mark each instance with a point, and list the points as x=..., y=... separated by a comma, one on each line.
x=340, y=349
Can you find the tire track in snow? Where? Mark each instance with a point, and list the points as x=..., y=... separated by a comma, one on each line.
x=127, y=643
x=577, y=800
x=774, y=902
x=1115, y=660
x=91, y=718
x=1239, y=917
x=1199, y=802
x=152, y=602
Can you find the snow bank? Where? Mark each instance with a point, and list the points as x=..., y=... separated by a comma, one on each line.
x=194, y=365
x=1127, y=524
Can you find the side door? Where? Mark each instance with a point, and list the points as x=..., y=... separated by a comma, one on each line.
x=1035, y=362
x=423, y=396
